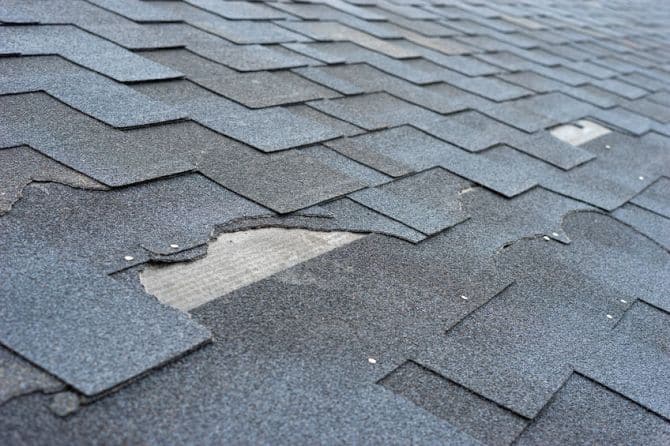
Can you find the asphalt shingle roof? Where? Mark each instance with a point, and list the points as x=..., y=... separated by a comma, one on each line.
x=510, y=287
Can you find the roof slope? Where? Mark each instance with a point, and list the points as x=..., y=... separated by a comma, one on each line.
x=514, y=281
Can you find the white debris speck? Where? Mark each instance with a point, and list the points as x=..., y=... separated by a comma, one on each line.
x=129, y=258
x=607, y=146
x=609, y=316
x=555, y=234
x=372, y=360
x=546, y=238
x=174, y=246
x=464, y=297
x=641, y=178
x=624, y=301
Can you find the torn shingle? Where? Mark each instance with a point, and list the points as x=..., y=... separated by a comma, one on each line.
x=580, y=132
x=19, y=377
x=521, y=366
x=515, y=281
x=19, y=166
x=235, y=260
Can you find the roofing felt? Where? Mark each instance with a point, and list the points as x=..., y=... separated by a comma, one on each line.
x=503, y=285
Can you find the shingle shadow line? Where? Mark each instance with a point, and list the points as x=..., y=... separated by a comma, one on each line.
x=616, y=392
x=349, y=41
x=325, y=143
x=241, y=19
x=427, y=236
x=372, y=93
x=140, y=50
x=637, y=231
x=121, y=129
x=467, y=389
x=621, y=129
x=63, y=387
x=89, y=399
x=480, y=307
x=78, y=64
x=194, y=50
x=297, y=225
x=651, y=211
x=544, y=408
x=141, y=22
x=358, y=162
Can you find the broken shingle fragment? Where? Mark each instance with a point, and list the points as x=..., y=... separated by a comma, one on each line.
x=19, y=166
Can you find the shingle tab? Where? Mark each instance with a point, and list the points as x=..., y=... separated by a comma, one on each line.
x=375, y=111
x=255, y=90
x=84, y=49
x=425, y=201
x=502, y=285
x=269, y=129
x=88, y=92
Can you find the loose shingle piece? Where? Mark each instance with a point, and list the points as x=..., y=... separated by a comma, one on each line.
x=489, y=183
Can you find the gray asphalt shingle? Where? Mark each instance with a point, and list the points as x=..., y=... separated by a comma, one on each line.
x=504, y=286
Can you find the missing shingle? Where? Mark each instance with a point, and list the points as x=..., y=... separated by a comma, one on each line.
x=235, y=260
x=580, y=132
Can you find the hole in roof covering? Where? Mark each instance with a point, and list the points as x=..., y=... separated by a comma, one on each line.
x=235, y=260
x=580, y=132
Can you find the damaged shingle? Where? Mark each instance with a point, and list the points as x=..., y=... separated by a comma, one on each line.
x=511, y=160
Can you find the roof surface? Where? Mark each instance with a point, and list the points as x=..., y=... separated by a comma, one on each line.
x=513, y=281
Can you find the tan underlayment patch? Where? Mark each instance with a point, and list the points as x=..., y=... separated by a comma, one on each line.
x=580, y=132
x=237, y=259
